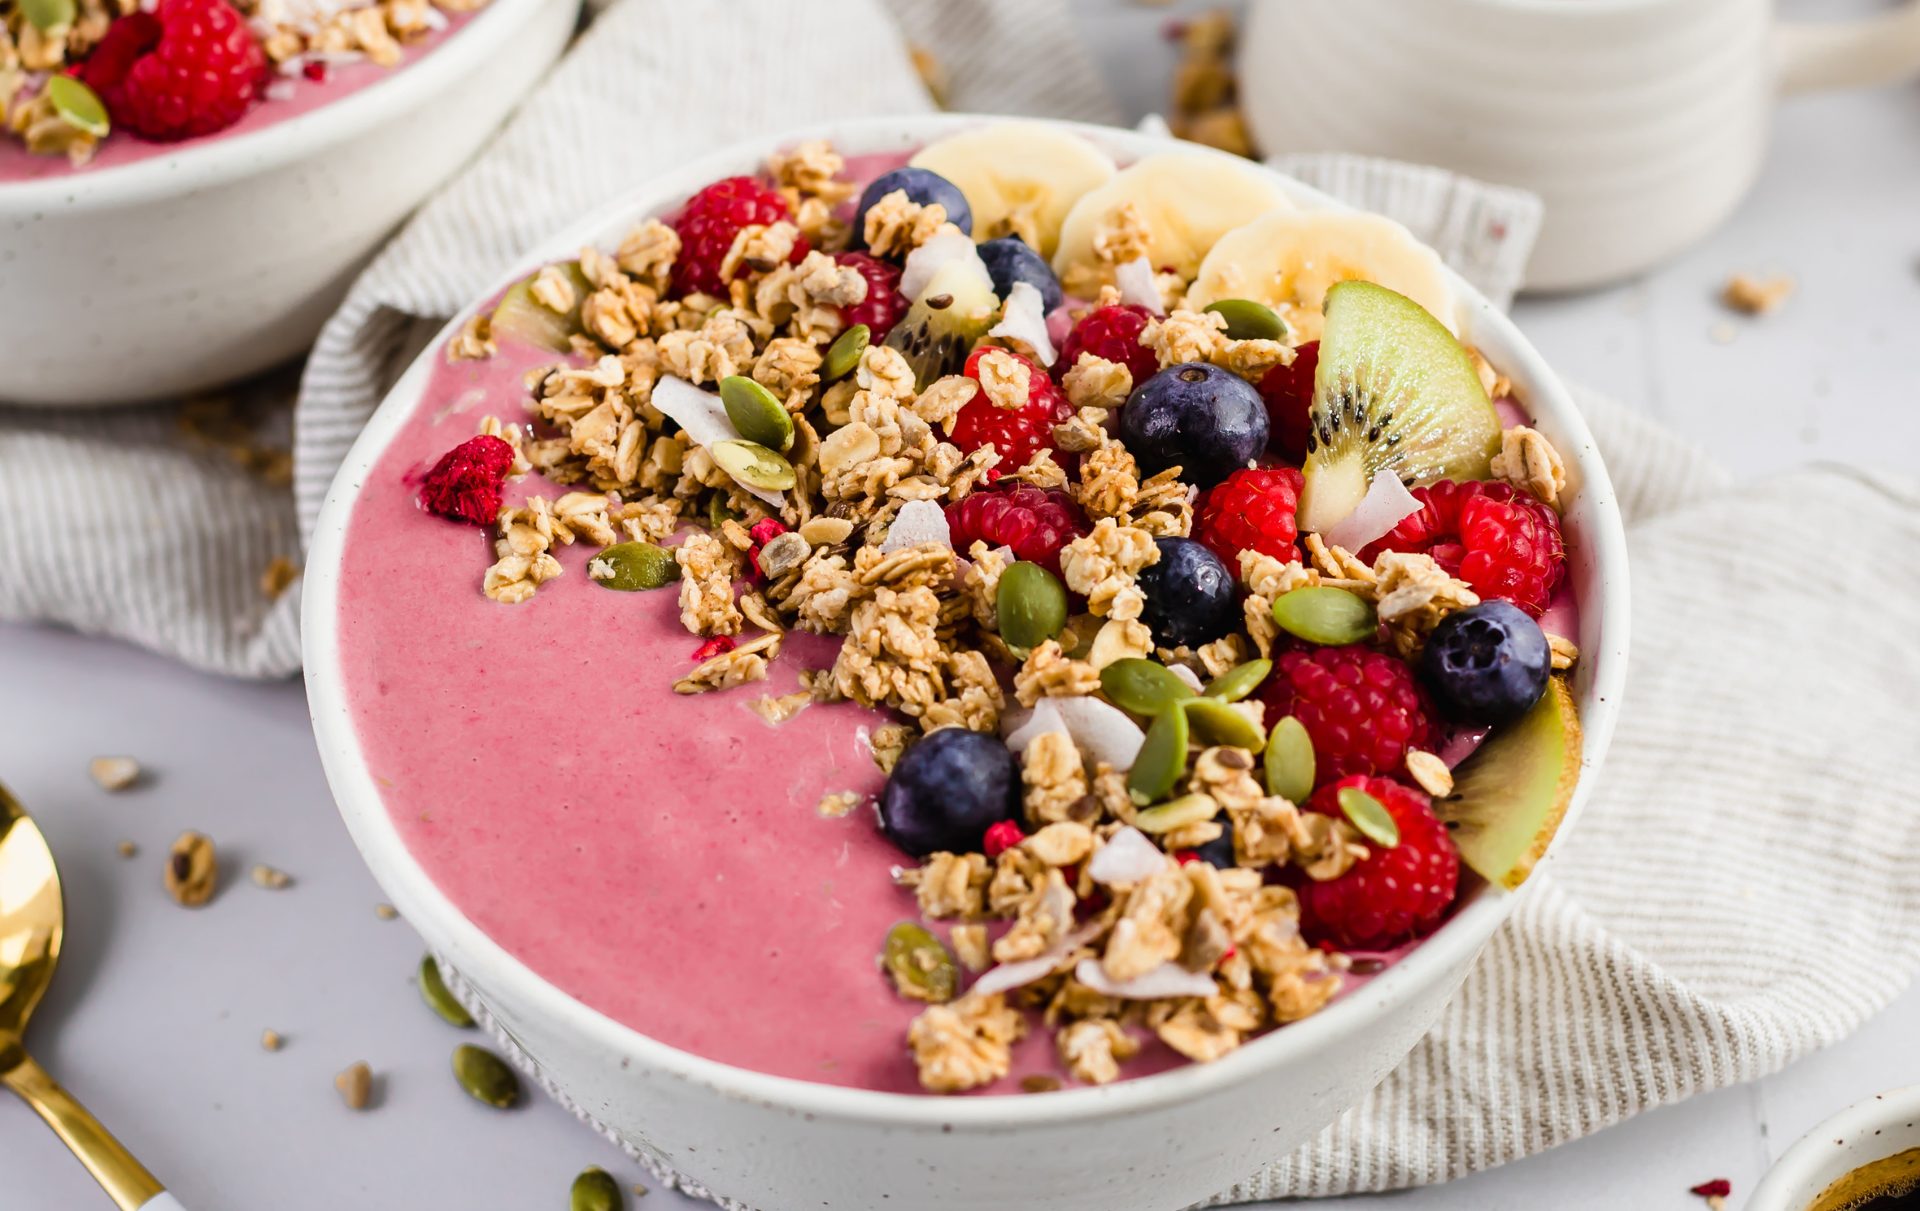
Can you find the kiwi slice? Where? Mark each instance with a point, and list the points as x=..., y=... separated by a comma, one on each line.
x=1394, y=390
x=1509, y=797
x=524, y=318
x=953, y=312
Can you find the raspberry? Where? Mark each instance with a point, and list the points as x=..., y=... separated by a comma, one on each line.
x=884, y=304
x=1112, y=333
x=719, y=645
x=1361, y=708
x=1392, y=895
x=1253, y=508
x=1502, y=542
x=762, y=532
x=1002, y=835
x=1035, y=522
x=465, y=484
x=188, y=67
x=1018, y=433
x=1288, y=391
x=708, y=224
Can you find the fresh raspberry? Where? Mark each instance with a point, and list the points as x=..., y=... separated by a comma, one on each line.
x=1502, y=542
x=884, y=304
x=1035, y=522
x=719, y=645
x=188, y=67
x=762, y=532
x=1252, y=508
x=1018, y=433
x=1362, y=709
x=1392, y=895
x=465, y=484
x=1002, y=835
x=1288, y=391
x=709, y=222
x=1112, y=333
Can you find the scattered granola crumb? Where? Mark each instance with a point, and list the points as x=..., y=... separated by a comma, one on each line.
x=127, y=849
x=1564, y=653
x=1750, y=294
x=1430, y=772
x=355, y=1085
x=1528, y=461
x=278, y=575
x=270, y=1040
x=270, y=878
x=965, y=1044
x=838, y=803
x=193, y=870
x=114, y=773
x=386, y=912
x=970, y=946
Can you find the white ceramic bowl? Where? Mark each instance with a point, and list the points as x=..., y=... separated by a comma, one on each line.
x=183, y=271
x=1158, y=1142
x=1884, y=1125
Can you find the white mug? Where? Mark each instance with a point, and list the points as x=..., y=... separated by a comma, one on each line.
x=1641, y=123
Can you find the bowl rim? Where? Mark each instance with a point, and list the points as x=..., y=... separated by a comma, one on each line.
x=491, y=967
x=1793, y=1180
x=197, y=164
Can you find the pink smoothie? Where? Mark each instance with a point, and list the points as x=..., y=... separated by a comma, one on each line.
x=287, y=97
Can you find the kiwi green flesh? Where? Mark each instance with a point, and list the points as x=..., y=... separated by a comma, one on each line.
x=935, y=339
x=522, y=317
x=1510, y=795
x=1393, y=390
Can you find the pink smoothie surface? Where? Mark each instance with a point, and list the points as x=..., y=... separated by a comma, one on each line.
x=288, y=97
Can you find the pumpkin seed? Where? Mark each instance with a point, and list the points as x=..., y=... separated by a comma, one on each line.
x=440, y=999
x=920, y=964
x=1161, y=760
x=1326, y=616
x=1289, y=761
x=1239, y=681
x=1178, y=813
x=1250, y=321
x=1212, y=721
x=595, y=1190
x=753, y=465
x=1145, y=687
x=49, y=15
x=78, y=106
x=485, y=1076
x=755, y=413
x=844, y=354
x=634, y=566
x=717, y=511
x=1032, y=605
x=1370, y=816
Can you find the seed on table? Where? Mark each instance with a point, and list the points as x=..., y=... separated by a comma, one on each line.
x=114, y=773
x=439, y=998
x=269, y=878
x=485, y=1076
x=386, y=912
x=127, y=849
x=270, y=1040
x=355, y=1085
x=595, y=1190
x=193, y=870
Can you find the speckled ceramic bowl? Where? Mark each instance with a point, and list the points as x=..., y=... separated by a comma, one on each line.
x=1159, y=1141
x=1884, y=1125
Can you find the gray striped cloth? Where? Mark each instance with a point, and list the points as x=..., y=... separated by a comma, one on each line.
x=1740, y=892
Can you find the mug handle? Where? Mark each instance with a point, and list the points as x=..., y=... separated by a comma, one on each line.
x=1870, y=51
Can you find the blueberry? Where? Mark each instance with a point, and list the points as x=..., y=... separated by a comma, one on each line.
x=922, y=187
x=946, y=790
x=1486, y=665
x=1010, y=260
x=1219, y=851
x=1190, y=594
x=1205, y=420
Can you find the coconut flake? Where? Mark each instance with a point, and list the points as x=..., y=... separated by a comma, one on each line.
x=917, y=522
x=1135, y=279
x=1024, y=319
x=1008, y=976
x=1166, y=980
x=704, y=418
x=1021, y=728
x=947, y=244
x=1187, y=675
x=1127, y=857
x=1386, y=504
x=1101, y=730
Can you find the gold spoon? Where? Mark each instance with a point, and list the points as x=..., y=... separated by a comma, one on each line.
x=32, y=918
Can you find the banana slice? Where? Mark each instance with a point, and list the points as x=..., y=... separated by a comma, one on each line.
x=1021, y=178
x=1186, y=201
x=1287, y=260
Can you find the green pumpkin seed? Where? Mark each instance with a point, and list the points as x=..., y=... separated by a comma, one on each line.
x=753, y=465
x=634, y=566
x=755, y=412
x=844, y=354
x=434, y=991
x=78, y=106
x=1250, y=321
x=1239, y=681
x=717, y=511
x=485, y=1076
x=1326, y=616
x=1289, y=761
x=1178, y=813
x=920, y=964
x=1145, y=687
x=1212, y=721
x=595, y=1190
x=1161, y=760
x=48, y=15
x=1032, y=605
x=1370, y=816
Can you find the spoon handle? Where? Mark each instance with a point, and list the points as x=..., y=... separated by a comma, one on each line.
x=124, y=1179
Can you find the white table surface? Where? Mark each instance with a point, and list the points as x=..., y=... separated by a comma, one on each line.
x=156, y=1015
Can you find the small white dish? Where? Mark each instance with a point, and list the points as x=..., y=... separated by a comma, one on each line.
x=1884, y=1125
x=183, y=271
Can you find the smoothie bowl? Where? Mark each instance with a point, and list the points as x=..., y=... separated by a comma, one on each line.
x=933, y=724
x=192, y=184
